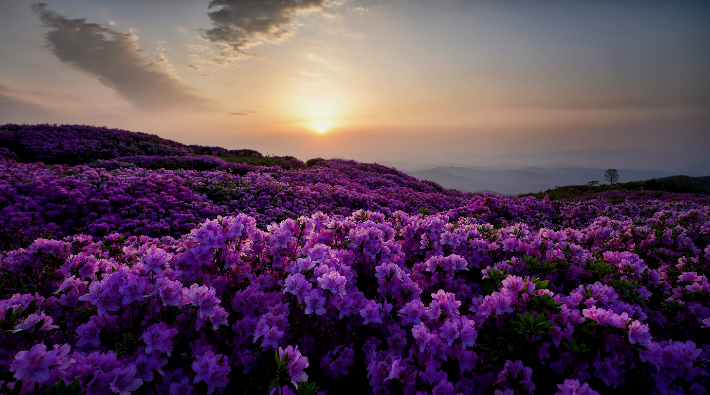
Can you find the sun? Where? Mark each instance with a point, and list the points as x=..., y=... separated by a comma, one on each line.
x=318, y=112
x=321, y=126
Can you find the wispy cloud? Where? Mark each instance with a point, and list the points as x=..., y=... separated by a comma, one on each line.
x=117, y=61
x=243, y=113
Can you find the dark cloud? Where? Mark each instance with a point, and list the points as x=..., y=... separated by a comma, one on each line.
x=117, y=61
x=245, y=23
x=243, y=113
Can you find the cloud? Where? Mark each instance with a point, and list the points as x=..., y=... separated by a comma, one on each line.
x=117, y=61
x=243, y=113
x=245, y=23
x=219, y=55
x=19, y=105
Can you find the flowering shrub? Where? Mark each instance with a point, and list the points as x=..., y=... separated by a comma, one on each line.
x=329, y=279
x=371, y=303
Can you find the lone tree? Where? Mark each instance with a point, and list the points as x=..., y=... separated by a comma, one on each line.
x=612, y=176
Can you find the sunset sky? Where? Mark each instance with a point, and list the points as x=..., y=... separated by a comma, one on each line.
x=366, y=79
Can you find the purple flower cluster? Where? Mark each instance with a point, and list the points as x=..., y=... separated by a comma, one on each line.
x=371, y=303
x=75, y=144
x=56, y=201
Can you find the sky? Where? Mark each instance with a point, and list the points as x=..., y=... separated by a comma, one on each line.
x=370, y=80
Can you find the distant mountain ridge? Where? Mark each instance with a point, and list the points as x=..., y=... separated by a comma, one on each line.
x=525, y=180
x=626, y=158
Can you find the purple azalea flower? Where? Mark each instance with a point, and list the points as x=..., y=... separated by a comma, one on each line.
x=159, y=338
x=33, y=364
x=89, y=332
x=125, y=380
x=572, y=387
x=295, y=364
x=209, y=370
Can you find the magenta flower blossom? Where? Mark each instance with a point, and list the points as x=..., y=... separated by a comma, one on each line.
x=209, y=370
x=333, y=282
x=204, y=298
x=468, y=332
x=422, y=336
x=171, y=292
x=133, y=290
x=572, y=387
x=600, y=316
x=145, y=365
x=154, y=259
x=295, y=364
x=372, y=312
x=159, y=338
x=295, y=283
x=89, y=332
x=32, y=320
x=638, y=333
x=516, y=285
x=33, y=364
x=181, y=388
x=125, y=380
x=412, y=312
x=450, y=331
x=271, y=334
x=88, y=270
x=315, y=303
x=240, y=225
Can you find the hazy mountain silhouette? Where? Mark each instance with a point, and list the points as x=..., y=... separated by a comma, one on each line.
x=529, y=179
x=627, y=158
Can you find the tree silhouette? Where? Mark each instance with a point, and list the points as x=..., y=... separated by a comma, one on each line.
x=612, y=176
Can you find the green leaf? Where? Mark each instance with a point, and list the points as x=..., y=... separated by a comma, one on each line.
x=8, y=314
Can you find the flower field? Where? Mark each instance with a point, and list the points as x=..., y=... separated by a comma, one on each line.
x=136, y=265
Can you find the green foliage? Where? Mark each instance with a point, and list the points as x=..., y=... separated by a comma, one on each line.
x=531, y=324
x=599, y=268
x=627, y=290
x=314, y=162
x=306, y=388
x=545, y=303
x=60, y=388
x=534, y=265
x=673, y=184
x=128, y=344
x=494, y=280
x=7, y=323
x=578, y=350
x=265, y=161
x=516, y=338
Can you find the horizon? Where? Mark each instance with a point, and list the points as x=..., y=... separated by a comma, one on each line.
x=325, y=78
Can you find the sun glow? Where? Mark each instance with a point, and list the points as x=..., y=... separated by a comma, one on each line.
x=321, y=126
x=318, y=111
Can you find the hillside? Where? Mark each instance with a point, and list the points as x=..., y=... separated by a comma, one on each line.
x=638, y=190
x=160, y=268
